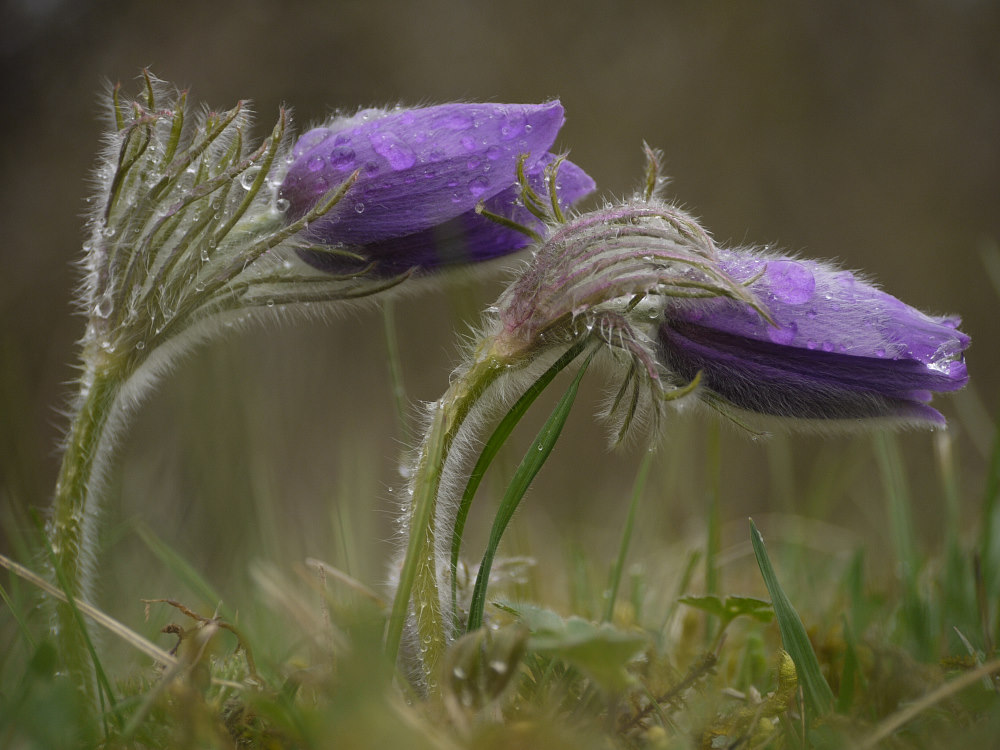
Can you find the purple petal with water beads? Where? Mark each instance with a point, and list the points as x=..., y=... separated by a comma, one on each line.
x=840, y=348
x=466, y=239
x=419, y=168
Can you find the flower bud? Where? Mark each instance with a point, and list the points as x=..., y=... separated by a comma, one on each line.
x=421, y=175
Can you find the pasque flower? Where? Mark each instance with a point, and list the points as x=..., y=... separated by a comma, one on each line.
x=674, y=317
x=835, y=350
x=194, y=229
x=421, y=175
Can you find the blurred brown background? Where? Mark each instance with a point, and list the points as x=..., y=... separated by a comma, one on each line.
x=865, y=132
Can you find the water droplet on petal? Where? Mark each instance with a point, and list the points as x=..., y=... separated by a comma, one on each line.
x=281, y=205
x=782, y=334
x=827, y=346
x=478, y=186
x=457, y=121
x=393, y=149
x=342, y=159
x=359, y=207
x=468, y=142
x=790, y=281
x=514, y=126
x=493, y=153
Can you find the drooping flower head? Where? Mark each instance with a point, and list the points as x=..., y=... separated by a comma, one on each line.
x=421, y=174
x=836, y=349
x=763, y=335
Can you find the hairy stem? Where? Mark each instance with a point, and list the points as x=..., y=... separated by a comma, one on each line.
x=72, y=526
x=426, y=560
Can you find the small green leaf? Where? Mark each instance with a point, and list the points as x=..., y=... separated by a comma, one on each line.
x=731, y=607
x=818, y=695
x=601, y=652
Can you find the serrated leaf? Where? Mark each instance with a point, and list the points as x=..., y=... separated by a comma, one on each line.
x=731, y=607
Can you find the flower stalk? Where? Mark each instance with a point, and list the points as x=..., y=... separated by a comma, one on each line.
x=426, y=567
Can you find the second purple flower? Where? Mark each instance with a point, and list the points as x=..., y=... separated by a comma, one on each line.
x=421, y=174
x=837, y=347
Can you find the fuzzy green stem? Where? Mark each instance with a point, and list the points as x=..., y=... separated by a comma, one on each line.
x=71, y=527
x=418, y=579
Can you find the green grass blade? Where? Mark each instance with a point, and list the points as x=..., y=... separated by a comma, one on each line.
x=916, y=617
x=530, y=465
x=713, y=537
x=182, y=569
x=395, y=370
x=818, y=695
x=989, y=541
x=492, y=448
x=29, y=641
x=616, y=574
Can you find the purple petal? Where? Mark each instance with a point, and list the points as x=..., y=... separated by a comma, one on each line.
x=838, y=348
x=820, y=308
x=468, y=238
x=767, y=378
x=419, y=167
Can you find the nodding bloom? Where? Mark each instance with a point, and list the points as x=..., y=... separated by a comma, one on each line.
x=421, y=173
x=835, y=350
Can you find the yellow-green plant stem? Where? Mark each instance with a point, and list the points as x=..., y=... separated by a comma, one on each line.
x=71, y=526
x=418, y=576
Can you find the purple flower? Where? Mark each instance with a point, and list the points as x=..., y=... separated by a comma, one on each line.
x=422, y=173
x=838, y=348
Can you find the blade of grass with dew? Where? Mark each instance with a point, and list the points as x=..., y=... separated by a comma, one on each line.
x=819, y=696
x=851, y=669
x=492, y=447
x=956, y=604
x=530, y=465
x=118, y=629
x=713, y=540
x=915, y=611
x=616, y=572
